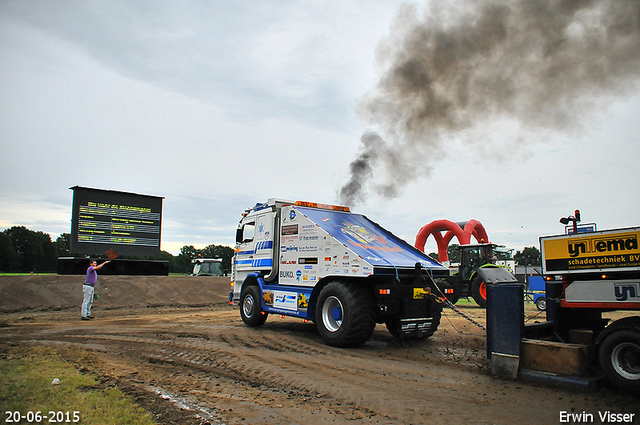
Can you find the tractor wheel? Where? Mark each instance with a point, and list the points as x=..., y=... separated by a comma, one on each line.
x=345, y=314
x=251, y=307
x=541, y=303
x=479, y=291
x=619, y=356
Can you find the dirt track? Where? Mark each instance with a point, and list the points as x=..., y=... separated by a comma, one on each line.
x=190, y=359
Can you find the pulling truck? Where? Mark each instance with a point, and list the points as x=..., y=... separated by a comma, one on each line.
x=595, y=273
x=325, y=264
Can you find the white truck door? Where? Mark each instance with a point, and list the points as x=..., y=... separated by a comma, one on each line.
x=244, y=256
x=263, y=257
x=255, y=250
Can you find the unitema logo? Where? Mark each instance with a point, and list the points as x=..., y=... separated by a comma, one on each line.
x=604, y=245
x=624, y=291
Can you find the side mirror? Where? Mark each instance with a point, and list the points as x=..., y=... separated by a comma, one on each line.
x=239, y=235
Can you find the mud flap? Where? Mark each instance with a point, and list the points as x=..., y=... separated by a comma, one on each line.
x=416, y=319
x=416, y=327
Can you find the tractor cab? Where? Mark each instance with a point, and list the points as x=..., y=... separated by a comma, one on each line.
x=477, y=266
x=473, y=257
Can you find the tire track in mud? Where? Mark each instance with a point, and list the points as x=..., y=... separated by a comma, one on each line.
x=201, y=351
x=167, y=361
x=216, y=343
x=259, y=371
x=276, y=360
x=284, y=373
x=298, y=364
x=343, y=379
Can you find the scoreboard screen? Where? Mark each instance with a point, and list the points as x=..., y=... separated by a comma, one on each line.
x=128, y=223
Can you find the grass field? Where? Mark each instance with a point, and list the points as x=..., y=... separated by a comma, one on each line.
x=28, y=391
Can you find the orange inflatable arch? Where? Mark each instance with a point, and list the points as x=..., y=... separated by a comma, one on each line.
x=463, y=231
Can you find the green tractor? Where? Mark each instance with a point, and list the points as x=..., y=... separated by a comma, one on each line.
x=477, y=262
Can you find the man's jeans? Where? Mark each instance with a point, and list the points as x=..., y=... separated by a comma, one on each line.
x=87, y=302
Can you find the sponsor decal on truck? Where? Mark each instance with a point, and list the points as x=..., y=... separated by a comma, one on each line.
x=601, y=250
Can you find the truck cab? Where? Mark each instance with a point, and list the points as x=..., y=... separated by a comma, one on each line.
x=256, y=241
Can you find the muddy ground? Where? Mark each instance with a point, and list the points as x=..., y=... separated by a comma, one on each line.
x=176, y=345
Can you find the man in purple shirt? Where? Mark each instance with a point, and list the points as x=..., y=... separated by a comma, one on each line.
x=88, y=288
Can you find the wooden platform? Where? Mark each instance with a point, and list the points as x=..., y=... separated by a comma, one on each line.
x=554, y=357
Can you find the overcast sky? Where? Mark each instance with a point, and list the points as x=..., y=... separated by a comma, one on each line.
x=218, y=105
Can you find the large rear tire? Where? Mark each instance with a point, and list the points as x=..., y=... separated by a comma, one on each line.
x=619, y=356
x=479, y=291
x=345, y=314
x=251, y=307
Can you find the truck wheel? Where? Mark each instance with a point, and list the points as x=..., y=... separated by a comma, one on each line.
x=541, y=303
x=479, y=291
x=345, y=314
x=619, y=356
x=435, y=311
x=251, y=307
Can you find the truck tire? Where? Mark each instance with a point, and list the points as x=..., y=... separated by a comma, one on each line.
x=251, y=307
x=541, y=303
x=435, y=311
x=479, y=291
x=619, y=356
x=345, y=314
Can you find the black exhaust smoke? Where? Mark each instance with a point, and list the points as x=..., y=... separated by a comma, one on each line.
x=541, y=64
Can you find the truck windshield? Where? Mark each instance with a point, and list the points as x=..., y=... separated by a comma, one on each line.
x=214, y=269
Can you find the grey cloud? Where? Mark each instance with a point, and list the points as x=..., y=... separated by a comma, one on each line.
x=545, y=64
x=205, y=50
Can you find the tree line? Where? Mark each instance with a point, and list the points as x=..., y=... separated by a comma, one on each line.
x=23, y=251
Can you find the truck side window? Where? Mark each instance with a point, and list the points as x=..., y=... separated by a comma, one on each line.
x=248, y=232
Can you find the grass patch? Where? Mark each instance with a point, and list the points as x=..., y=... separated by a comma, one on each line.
x=27, y=387
x=466, y=301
